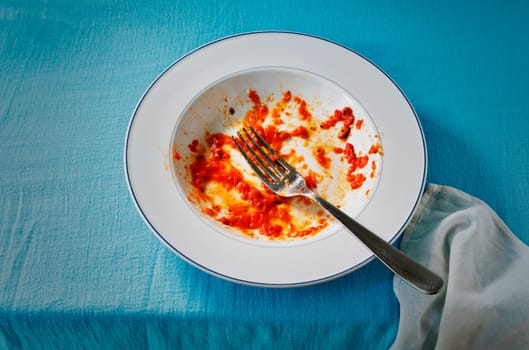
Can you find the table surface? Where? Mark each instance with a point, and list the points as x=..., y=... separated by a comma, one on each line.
x=75, y=256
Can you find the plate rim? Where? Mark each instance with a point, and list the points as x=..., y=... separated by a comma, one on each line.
x=196, y=264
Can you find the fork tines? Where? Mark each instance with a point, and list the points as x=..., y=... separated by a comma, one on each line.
x=263, y=159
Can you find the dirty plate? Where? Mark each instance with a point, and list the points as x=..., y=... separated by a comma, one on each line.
x=208, y=92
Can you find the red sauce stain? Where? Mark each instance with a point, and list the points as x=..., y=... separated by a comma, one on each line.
x=248, y=208
x=332, y=120
x=259, y=112
x=287, y=95
x=300, y=131
x=176, y=155
x=356, y=180
x=311, y=180
x=346, y=115
x=348, y=120
x=355, y=163
x=321, y=157
x=280, y=108
x=193, y=146
x=375, y=148
x=373, y=169
x=303, y=111
x=359, y=124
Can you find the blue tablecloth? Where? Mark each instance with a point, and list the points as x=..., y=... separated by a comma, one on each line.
x=79, y=268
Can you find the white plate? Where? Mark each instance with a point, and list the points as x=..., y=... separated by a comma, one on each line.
x=162, y=203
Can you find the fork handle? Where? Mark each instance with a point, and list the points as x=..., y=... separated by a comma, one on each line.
x=409, y=270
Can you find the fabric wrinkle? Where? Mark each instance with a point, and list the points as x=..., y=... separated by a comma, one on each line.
x=483, y=303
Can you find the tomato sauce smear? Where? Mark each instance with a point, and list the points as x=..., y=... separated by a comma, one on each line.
x=248, y=206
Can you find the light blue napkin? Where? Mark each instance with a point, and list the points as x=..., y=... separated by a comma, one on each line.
x=484, y=303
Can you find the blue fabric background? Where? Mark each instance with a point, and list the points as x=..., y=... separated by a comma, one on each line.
x=79, y=268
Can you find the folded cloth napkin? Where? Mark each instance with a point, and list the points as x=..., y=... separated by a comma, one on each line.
x=484, y=303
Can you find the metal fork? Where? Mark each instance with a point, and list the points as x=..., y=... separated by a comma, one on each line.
x=285, y=181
